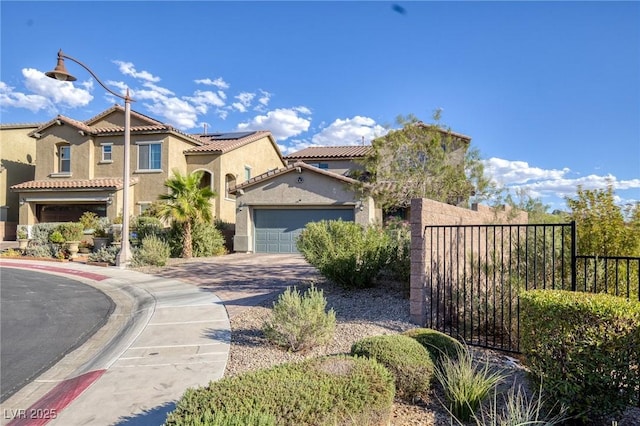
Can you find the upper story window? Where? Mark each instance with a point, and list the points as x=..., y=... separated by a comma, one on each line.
x=229, y=182
x=149, y=155
x=107, y=150
x=64, y=158
x=247, y=172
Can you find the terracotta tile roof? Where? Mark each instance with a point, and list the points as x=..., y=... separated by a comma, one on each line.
x=86, y=126
x=66, y=184
x=213, y=144
x=336, y=152
x=290, y=168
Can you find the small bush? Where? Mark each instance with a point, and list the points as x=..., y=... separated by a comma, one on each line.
x=223, y=418
x=344, y=252
x=56, y=237
x=22, y=232
x=40, y=232
x=406, y=359
x=105, y=254
x=328, y=391
x=299, y=321
x=584, y=348
x=438, y=344
x=465, y=384
x=153, y=251
x=71, y=231
x=519, y=409
x=206, y=240
x=400, y=236
x=43, y=250
x=89, y=220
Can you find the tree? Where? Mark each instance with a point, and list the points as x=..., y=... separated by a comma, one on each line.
x=421, y=161
x=605, y=228
x=186, y=203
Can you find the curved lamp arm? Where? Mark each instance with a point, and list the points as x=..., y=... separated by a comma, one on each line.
x=60, y=73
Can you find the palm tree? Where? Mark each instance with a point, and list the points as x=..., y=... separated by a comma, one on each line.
x=186, y=203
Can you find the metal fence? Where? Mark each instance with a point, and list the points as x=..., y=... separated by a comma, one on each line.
x=476, y=272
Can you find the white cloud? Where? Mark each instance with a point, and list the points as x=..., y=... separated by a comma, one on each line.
x=349, y=131
x=176, y=111
x=550, y=184
x=11, y=99
x=245, y=99
x=218, y=82
x=203, y=98
x=263, y=101
x=127, y=68
x=509, y=172
x=282, y=122
x=59, y=93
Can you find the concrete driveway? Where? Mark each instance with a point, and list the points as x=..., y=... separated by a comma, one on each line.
x=241, y=280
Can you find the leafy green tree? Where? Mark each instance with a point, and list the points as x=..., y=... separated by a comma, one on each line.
x=605, y=228
x=186, y=203
x=421, y=161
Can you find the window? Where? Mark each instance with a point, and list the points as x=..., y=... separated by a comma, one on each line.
x=324, y=166
x=247, y=172
x=64, y=156
x=229, y=182
x=150, y=156
x=106, y=153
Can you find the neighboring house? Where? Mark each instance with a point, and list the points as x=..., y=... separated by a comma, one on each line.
x=17, y=164
x=80, y=165
x=274, y=207
x=337, y=159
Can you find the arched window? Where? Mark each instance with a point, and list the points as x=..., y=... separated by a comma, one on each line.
x=229, y=182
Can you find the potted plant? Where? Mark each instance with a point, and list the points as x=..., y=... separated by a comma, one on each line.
x=100, y=235
x=23, y=237
x=72, y=233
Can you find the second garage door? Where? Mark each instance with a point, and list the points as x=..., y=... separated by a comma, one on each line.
x=276, y=230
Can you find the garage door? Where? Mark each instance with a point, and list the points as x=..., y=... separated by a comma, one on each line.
x=277, y=230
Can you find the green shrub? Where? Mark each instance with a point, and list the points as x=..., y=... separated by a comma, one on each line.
x=89, y=220
x=332, y=391
x=344, y=252
x=40, y=232
x=56, y=237
x=400, y=236
x=43, y=250
x=105, y=254
x=300, y=321
x=146, y=226
x=71, y=231
x=206, y=240
x=153, y=251
x=465, y=384
x=21, y=232
x=406, y=359
x=438, y=344
x=584, y=348
x=222, y=418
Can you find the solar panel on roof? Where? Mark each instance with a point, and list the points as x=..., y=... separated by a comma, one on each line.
x=232, y=135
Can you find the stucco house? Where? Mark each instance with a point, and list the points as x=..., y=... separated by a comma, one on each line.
x=17, y=164
x=80, y=165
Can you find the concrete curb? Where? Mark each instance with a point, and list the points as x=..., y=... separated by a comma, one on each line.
x=164, y=337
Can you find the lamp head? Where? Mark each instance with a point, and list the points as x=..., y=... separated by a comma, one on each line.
x=60, y=72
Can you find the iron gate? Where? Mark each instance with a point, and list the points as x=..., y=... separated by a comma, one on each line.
x=475, y=273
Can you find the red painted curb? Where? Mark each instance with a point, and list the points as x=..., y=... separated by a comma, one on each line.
x=56, y=400
x=88, y=275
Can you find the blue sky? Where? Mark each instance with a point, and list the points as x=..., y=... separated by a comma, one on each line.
x=548, y=91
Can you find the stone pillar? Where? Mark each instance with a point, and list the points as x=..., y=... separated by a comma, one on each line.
x=417, y=297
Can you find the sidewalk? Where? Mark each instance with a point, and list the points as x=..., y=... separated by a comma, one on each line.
x=164, y=337
x=170, y=331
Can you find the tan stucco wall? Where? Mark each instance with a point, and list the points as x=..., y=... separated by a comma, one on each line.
x=17, y=165
x=285, y=191
x=260, y=156
x=209, y=163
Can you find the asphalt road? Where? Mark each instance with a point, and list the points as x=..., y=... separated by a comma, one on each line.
x=42, y=318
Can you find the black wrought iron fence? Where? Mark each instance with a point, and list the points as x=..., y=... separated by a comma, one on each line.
x=476, y=272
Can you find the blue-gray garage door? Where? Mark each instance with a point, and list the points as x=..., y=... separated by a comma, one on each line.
x=276, y=230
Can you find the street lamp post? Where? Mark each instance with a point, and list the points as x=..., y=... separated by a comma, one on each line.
x=60, y=73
